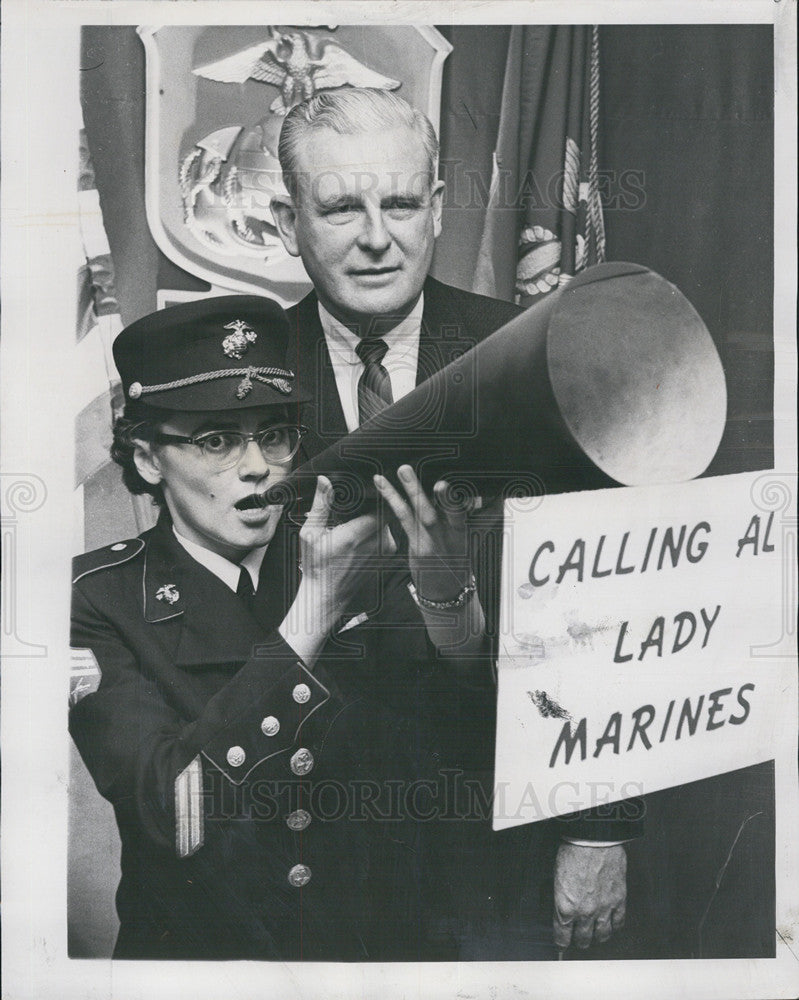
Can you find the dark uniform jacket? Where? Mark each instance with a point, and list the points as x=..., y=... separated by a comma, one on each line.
x=314, y=783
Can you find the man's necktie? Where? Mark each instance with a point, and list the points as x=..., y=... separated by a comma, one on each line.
x=374, y=395
x=374, y=385
x=245, y=589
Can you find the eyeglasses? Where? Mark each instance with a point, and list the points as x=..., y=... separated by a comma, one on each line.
x=224, y=449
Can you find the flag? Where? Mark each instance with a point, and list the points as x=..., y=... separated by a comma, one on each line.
x=544, y=221
x=104, y=508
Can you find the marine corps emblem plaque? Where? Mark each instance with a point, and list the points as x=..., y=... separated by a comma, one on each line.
x=216, y=99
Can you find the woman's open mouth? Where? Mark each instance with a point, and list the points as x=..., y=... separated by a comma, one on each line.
x=254, y=501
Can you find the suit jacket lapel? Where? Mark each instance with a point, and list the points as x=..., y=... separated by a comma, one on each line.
x=444, y=335
x=309, y=359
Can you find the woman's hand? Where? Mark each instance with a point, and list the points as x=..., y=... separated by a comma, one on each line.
x=333, y=562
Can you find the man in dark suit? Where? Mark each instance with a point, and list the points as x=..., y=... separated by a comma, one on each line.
x=363, y=212
x=366, y=236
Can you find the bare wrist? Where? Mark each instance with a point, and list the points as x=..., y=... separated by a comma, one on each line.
x=308, y=624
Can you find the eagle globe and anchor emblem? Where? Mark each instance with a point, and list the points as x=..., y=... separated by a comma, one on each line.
x=210, y=176
x=238, y=168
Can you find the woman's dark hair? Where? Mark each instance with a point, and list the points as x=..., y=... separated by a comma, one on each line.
x=138, y=422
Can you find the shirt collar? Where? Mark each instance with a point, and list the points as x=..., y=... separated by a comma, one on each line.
x=227, y=571
x=342, y=341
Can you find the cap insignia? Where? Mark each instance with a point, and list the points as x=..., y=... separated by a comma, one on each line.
x=169, y=593
x=262, y=375
x=236, y=344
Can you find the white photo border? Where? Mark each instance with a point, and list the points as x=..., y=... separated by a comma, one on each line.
x=39, y=124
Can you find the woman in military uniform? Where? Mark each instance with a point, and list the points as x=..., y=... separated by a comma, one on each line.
x=246, y=711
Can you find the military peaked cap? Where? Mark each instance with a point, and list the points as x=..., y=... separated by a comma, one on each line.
x=213, y=354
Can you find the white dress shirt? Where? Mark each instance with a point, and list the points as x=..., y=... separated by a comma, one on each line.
x=400, y=362
x=227, y=571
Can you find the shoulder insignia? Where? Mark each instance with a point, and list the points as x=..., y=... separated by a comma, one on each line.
x=85, y=675
x=106, y=557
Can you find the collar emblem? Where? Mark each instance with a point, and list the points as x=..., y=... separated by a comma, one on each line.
x=169, y=593
x=236, y=344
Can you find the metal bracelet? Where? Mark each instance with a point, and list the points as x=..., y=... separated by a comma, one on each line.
x=456, y=602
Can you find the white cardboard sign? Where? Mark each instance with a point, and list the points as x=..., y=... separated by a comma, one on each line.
x=637, y=636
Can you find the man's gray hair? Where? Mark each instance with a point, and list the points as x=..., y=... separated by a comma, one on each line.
x=351, y=111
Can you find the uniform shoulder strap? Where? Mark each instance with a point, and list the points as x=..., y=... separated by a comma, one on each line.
x=106, y=557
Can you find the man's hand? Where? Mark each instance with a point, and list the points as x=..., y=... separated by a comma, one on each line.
x=333, y=562
x=590, y=893
x=438, y=551
x=438, y=559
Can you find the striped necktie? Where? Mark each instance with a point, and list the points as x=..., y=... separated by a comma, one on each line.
x=374, y=385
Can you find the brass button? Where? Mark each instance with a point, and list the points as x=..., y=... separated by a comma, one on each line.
x=301, y=694
x=118, y=547
x=270, y=726
x=135, y=390
x=299, y=876
x=236, y=756
x=302, y=761
x=298, y=820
